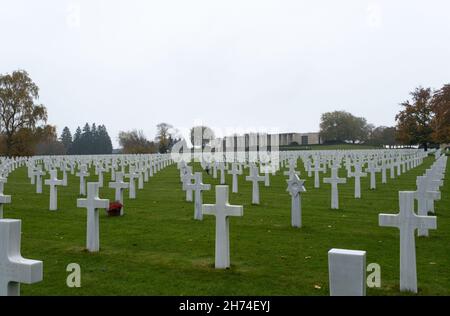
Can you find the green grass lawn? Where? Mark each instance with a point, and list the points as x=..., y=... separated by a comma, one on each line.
x=157, y=248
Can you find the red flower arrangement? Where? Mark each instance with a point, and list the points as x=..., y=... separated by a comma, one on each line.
x=114, y=208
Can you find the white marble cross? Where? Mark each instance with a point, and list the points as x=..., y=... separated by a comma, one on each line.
x=317, y=168
x=357, y=174
x=132, y=190
x=92, y=203
x=72, y=167
x=113, y=172
x=292, y=163
x=182, y=167
x=145, y=171
x=64, y=169
x=254, y=177
x=4, y=199
x=100, y=170
x=82, y=175
x=235, y=171
x=187, y=179
x=434, y=182
x=295, y=186
x=140, y=173
x=407, y=222
x=222, y=167
x=392, y=169
x=348, y=166
x=291, y=172
x=119, y=186
x=222, y=210
x=38, y=173
x=215, y=164
x=183, y=170
x=334, y=181
x=423, y=194
x=151, y=167
x=198, y=187
x=266, y=169
x=308, y=167
x=383, y=167
x=30, y=169
x=14, y=269
x=398, y=164
x=373, y=169
x=53, y=182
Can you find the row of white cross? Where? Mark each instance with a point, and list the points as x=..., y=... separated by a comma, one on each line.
x=14, y=269
x=409, y=159
x=347, y=268
x=138, y=169
x=407, y=220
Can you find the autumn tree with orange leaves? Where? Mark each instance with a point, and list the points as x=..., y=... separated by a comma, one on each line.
x=414, y=121
x=441, y=120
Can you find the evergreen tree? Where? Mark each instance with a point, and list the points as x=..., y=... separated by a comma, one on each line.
x=104, y=141
x=91, y=140
x=66, y=139
x=76, y=144
x=86, y=141
x=94, y=140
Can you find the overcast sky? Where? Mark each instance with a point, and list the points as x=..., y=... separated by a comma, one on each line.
x=245, y=64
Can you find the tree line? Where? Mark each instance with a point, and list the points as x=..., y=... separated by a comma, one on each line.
x=424, y=120
x=135, y=141
x=23, y=121
x=23, y=124
x=91, y=140
x=343, y=127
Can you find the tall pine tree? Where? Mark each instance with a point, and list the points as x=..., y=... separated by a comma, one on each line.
x=86, y=140
x=66, y=139
x=92, y=140
x=105, y=140
x=76, y=144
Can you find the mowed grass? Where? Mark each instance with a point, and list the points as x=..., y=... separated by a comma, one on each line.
x=157, y=248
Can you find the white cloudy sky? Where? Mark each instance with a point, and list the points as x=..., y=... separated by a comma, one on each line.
x=244, y=64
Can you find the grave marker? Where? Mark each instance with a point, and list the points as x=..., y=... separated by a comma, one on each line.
x=407, y=222
x=53, y=182
x=254, y=177
x=222, y=210
x=198, y=187
x=92, y=203
x=119, y=186
x=347, y=272
x=4, y=199
x=14, y=269
x=334, y=181
x=295, y=186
